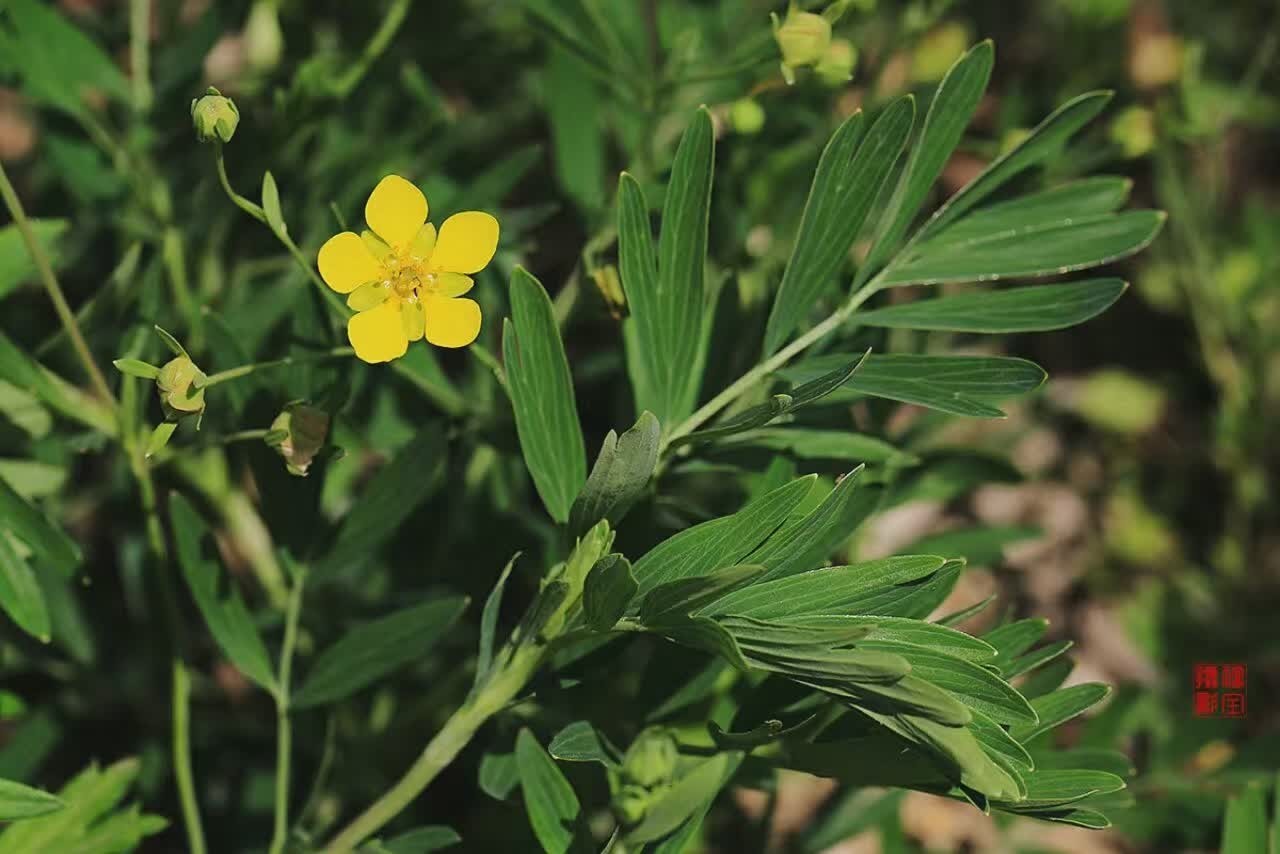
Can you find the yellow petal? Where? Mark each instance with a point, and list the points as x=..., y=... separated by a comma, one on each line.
x=451, y=322
x=467, y=242
x=395, y=211
x=345, y=263
x=378, y=334
x=413, y=319
x=424, y=242
x=451, y=284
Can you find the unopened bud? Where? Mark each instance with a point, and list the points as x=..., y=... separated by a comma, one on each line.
x=263, y=40
x=802, y=38
x=747, y=116
x=837, y=64
x=176, y=385
x=299, y=432
x=214, y=116
x=651, y=759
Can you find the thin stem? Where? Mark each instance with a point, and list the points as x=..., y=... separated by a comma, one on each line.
x=241, y=202
x=491, y=362
x=54, y=290
x=377, y=45
x=245, y=370
x=140, y=53
x=182, y=758
x=443, y=748
x=284, y=732
x=749, y=380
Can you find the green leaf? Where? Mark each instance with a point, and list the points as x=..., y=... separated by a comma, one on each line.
x=541, y=389
x=91, y=821
x=779, y=404
x=1058, y=788
x=271, y=204
x=1059, y=707
x=705, y=634
x=1037, y=249
x=489, y=621
x=812, y=444
x=1244, y=827
x=57, y=61
x=27, y=375
x=608, y=591
x=855, y=665
x=619, y=477
x=960, y=385
x=579, y=742
x=48, y=543
x=720, y=542
x=953, y=105
x=1036, y=658
x=686, y=595
x=159, y=437
x=389, y=499
x=174, y=345
x=548, y=798
x=849, y=177
x=1013, y=639
x=1031, y=309
x=16, y=265
x=421, y=840
x=18, y=801
x=1084, y=198
x=20, y=595
x=1043, y=142
x=908, y=631
x=666, y=292
x=1088, y=819
x=916, y=599
x=226, y=616
x=498, y=775
x=974, y=685
x=685, y=797
x=137, y=368
x=833, y=590
x=573, y=108
x=369, y=652
x=806, y=542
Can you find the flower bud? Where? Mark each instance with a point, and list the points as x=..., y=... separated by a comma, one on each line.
x=802, y=38
x=630, y=804
x=305, y=429
x=837, y=64
x=747, y=116
x=214, y=116
x=176, y=385
x=1134, y=130
x=651, y=759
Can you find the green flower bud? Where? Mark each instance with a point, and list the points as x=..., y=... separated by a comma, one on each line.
x=214, y=116
x=937, y=51
x=747, y=116
x=802, y=38
x=631, y=803
x=651, y=759
x=305, y=429
x=1134, y=130
x=837, y=64
x=176, y=385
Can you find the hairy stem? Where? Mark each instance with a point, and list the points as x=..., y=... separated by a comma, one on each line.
x=52, y=287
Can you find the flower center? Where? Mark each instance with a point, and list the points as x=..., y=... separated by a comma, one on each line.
x=407, y=275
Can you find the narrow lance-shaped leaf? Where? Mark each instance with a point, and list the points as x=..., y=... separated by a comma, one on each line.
x=226, y=616
x=489, y=621
x=1059, y=707
x=685, y=595
x=1044, y=141
x=949, y=114
x=541, y=389
x=682, y=258
x=850, y=174
x=1035, y=250
x=18, y=801
x=608, y=592
x=47, y=541
x=369, y=652
x=548, y=798
x=1031, y=309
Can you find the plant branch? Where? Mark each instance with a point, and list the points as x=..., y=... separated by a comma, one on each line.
x=377, y=45
x=245, y=370
x=54, y=290
x=182, y=758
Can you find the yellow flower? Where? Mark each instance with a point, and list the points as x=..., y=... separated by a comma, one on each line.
x=404, y=281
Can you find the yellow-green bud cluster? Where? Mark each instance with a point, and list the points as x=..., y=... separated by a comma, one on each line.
x=646, y=775
x=176, y=385
x=803, y=39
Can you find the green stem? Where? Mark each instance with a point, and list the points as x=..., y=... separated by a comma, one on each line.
x=377, y=45
x=748, y=381
x=175, y=263
x=284, y=733
x=54, y=290
x=245, y=370
x=452, y=738
x=490, y=361
x=140, y=53
x=241, y=202
x=182, y=758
